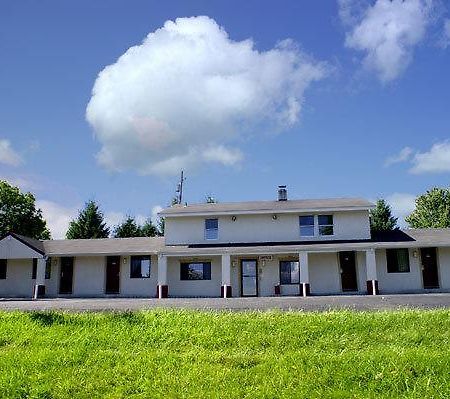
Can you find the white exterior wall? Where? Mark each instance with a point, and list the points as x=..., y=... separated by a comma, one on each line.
x=324, y=273
x=18, y=282
x=399, y=282
x=89, y=276
x=138, y=287
x=194, y=288
x=262, y=228
x=444, y=267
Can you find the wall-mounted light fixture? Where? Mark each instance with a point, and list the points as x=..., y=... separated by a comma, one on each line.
x=233, y=218
x=415, y=253
x=274, y=217
x=125, y=260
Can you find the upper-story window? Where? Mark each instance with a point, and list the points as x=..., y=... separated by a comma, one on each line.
x=325, y=223
x=211, y=229
x=313, y=225
x=307, y=226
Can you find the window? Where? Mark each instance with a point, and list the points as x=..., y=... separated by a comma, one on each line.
x=289, y=272
x=3, y=264
x=195, y=271
x=140, y=266
x=325, y=225
x=48, y=268
x=34, y=269
x=397, y=260
x=307, y=226
x=211, y=229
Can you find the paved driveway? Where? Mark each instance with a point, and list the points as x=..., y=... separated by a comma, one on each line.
x=319, y=303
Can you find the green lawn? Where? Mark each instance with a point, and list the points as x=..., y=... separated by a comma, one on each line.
x=238, y=355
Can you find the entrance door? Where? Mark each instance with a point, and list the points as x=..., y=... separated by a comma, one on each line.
x=249, y=277
x=429, y=268
x=347, y=260
x=112, y=275
x=66, y=276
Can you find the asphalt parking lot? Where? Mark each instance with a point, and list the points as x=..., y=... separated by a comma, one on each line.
x=314, y=303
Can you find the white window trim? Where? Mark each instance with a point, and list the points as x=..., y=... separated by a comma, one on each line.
x=316, y=226
x=205, y=230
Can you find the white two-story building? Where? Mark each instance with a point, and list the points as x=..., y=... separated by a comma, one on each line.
x=261, y=248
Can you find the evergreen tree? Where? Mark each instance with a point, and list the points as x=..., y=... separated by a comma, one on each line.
x=432, y=209
x=89, y=224
x=381, y=218
x=128, y=228
x=18, y=213
x=148, y=229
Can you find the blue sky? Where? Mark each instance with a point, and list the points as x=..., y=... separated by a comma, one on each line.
x=356, y=103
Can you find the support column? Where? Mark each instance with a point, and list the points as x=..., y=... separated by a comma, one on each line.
x=225, y=290
x=39, y=288
x=304, y=273
x=163, y=288
x=371, y=270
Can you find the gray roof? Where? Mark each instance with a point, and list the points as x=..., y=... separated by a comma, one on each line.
x=303, y=205
x=104, y=246
x=37, y=245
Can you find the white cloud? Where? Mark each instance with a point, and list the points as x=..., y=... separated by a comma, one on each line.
x=403, y=156
x=188, y=92
x=387, y=32
x=8, y=155
x=445, y=40
x=436, y=160
x=155, y=210
x=402, y=205
x=57, y=216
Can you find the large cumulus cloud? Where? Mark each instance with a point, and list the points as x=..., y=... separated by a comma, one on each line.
x=188, y=94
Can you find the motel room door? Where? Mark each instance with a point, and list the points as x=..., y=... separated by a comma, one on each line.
x=347, y=261
x=429, y=268
x=112, y=275
x=249, y=277
x=66, y=276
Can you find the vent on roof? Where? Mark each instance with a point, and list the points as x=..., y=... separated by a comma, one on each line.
x=282, y=193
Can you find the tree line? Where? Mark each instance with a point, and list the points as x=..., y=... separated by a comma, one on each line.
x=19, y=214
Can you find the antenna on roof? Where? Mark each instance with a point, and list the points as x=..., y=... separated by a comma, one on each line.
x=180, y=188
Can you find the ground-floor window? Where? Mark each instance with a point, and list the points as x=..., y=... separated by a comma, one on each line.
x=289, y=272
x=397, y=260
x=195, y=271
x=48, y=269
x=140, y=266
x=34, y=270
x=3, y=264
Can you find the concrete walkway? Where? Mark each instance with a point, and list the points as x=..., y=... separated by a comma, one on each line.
x=318, y=303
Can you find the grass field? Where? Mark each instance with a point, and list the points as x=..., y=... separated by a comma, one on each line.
x=240, y=355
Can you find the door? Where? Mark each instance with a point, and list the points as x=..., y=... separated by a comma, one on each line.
x=429, y=268
x=249, y=277
x=112, y=275
x=347, y=261
x=66, y=276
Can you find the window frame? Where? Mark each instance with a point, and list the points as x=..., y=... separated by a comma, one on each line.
x=325, y=225
x=283, y=282
x=395, y=268
x=186, y=276
x=140, y=258
x=48, y=269
x=210, y=230
x=313, y=225
x=3, y=269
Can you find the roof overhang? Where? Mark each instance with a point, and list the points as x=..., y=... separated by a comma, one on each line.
x=260, y=211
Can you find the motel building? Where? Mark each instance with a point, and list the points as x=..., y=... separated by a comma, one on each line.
x=261, y=248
